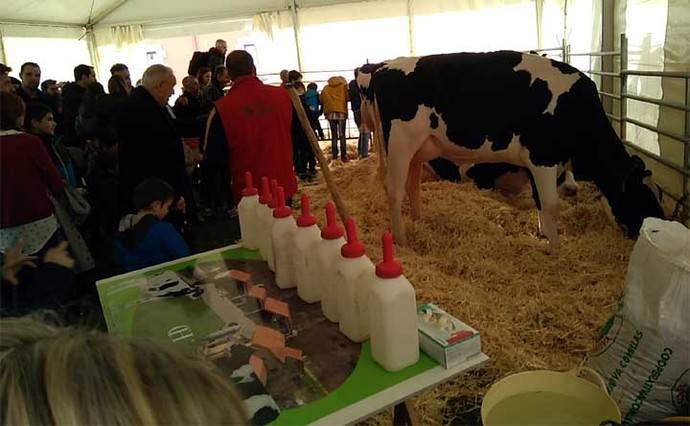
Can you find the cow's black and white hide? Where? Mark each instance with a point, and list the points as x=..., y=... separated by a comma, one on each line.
x=501, y=107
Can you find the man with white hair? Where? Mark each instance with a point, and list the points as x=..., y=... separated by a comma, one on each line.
x=149, y=144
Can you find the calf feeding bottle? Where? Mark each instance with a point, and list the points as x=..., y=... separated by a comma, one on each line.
x=283, y=234
x=354, y=276
x=328, y=254
x=247, y=210
x=306, y=236
x=264, y=217
x=392, y=314
x=272, y=205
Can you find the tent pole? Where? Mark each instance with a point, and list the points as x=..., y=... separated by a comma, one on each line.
x=296, y=30
x=107, y=11
x=3, y=59
x=39, y=24
x=410, y=25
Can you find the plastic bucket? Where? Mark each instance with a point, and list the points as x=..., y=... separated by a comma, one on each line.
x=549, y=398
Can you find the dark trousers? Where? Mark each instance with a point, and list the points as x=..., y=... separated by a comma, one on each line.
x=316, y=124
x=215, y=186
x=338, y=132
x=304, y=160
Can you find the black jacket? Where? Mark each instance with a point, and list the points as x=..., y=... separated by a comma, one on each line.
x=149, y=146
x=190, y=121
x=106, y=111
x=215, y=58
x=72, y=95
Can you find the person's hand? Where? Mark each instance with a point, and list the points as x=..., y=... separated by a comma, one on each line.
x=14, y=261
x=181, y=205
x=59, y=256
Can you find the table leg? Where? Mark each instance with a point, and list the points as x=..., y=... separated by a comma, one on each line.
x=404, y=414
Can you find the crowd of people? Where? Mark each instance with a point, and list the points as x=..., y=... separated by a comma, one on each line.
x=96, y=182
x=115, y=180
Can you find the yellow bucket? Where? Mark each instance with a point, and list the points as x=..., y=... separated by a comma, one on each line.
x=549, y=398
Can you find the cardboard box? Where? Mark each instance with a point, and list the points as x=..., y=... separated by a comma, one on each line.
x=445, y=338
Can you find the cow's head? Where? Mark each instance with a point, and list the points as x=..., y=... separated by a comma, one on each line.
x=363, y=76
x=640, y=198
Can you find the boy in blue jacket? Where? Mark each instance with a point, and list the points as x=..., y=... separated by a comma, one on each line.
x=311, y=98
x=144, y=238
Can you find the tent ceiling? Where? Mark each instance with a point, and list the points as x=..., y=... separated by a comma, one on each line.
x=51, y=11
x=76, y=12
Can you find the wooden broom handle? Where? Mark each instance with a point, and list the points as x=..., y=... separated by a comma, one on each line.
x=306, y=125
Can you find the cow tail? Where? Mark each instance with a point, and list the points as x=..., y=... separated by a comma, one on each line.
x=382, y=153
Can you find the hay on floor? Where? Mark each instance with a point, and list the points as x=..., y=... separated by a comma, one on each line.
x=478, y=255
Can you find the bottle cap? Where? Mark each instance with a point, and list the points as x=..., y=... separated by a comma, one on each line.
x=389, y=267
x=332, y=231
x=306, y=219
x=353, y=248
x=265, y=197
x=249, y=189
x=281, y=209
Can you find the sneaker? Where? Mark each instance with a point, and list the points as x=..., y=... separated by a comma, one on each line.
x=345, y=158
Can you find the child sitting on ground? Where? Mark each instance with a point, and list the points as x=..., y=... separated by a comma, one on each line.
x=144, y=238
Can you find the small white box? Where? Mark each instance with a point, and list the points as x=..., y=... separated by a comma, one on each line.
x=445, y=338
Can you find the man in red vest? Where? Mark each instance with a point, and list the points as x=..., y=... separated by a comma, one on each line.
x=253, y=120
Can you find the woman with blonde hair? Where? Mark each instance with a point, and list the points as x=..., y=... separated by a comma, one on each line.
x=67, y=376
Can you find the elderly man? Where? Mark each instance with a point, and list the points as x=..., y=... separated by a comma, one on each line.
x=149, y=144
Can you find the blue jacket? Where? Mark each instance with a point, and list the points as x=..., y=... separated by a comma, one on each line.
x=311, y=98
x=149, y=242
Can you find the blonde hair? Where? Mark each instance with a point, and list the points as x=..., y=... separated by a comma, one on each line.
x=68, y=376
x=155, y=75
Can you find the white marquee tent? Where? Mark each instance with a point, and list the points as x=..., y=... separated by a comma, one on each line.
x=327, y=37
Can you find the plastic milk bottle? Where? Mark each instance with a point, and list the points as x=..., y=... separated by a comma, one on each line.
x=354, y=276
x=263, y=214
x=392, y=314
x=328, y=254
x=283, y=234
x=249, y=221
x=272, y=205
x=304, y=259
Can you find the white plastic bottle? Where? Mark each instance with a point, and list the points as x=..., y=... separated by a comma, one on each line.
x=328, y=257
x=271, y=260
x=283, y=235
x=304, y=259
x=392, y=314
x=264, y=216
x=249, y=222
x=354, y=276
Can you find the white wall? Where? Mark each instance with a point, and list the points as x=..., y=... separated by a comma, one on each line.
x=57, y=57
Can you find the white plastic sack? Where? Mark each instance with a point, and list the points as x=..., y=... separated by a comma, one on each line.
x=643, y=352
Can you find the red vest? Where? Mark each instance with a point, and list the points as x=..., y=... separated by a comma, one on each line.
x=257, y=119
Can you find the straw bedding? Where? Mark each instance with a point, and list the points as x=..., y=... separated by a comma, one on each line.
x=478, y=255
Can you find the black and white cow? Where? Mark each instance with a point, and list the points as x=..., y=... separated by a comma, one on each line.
x=500, y=107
